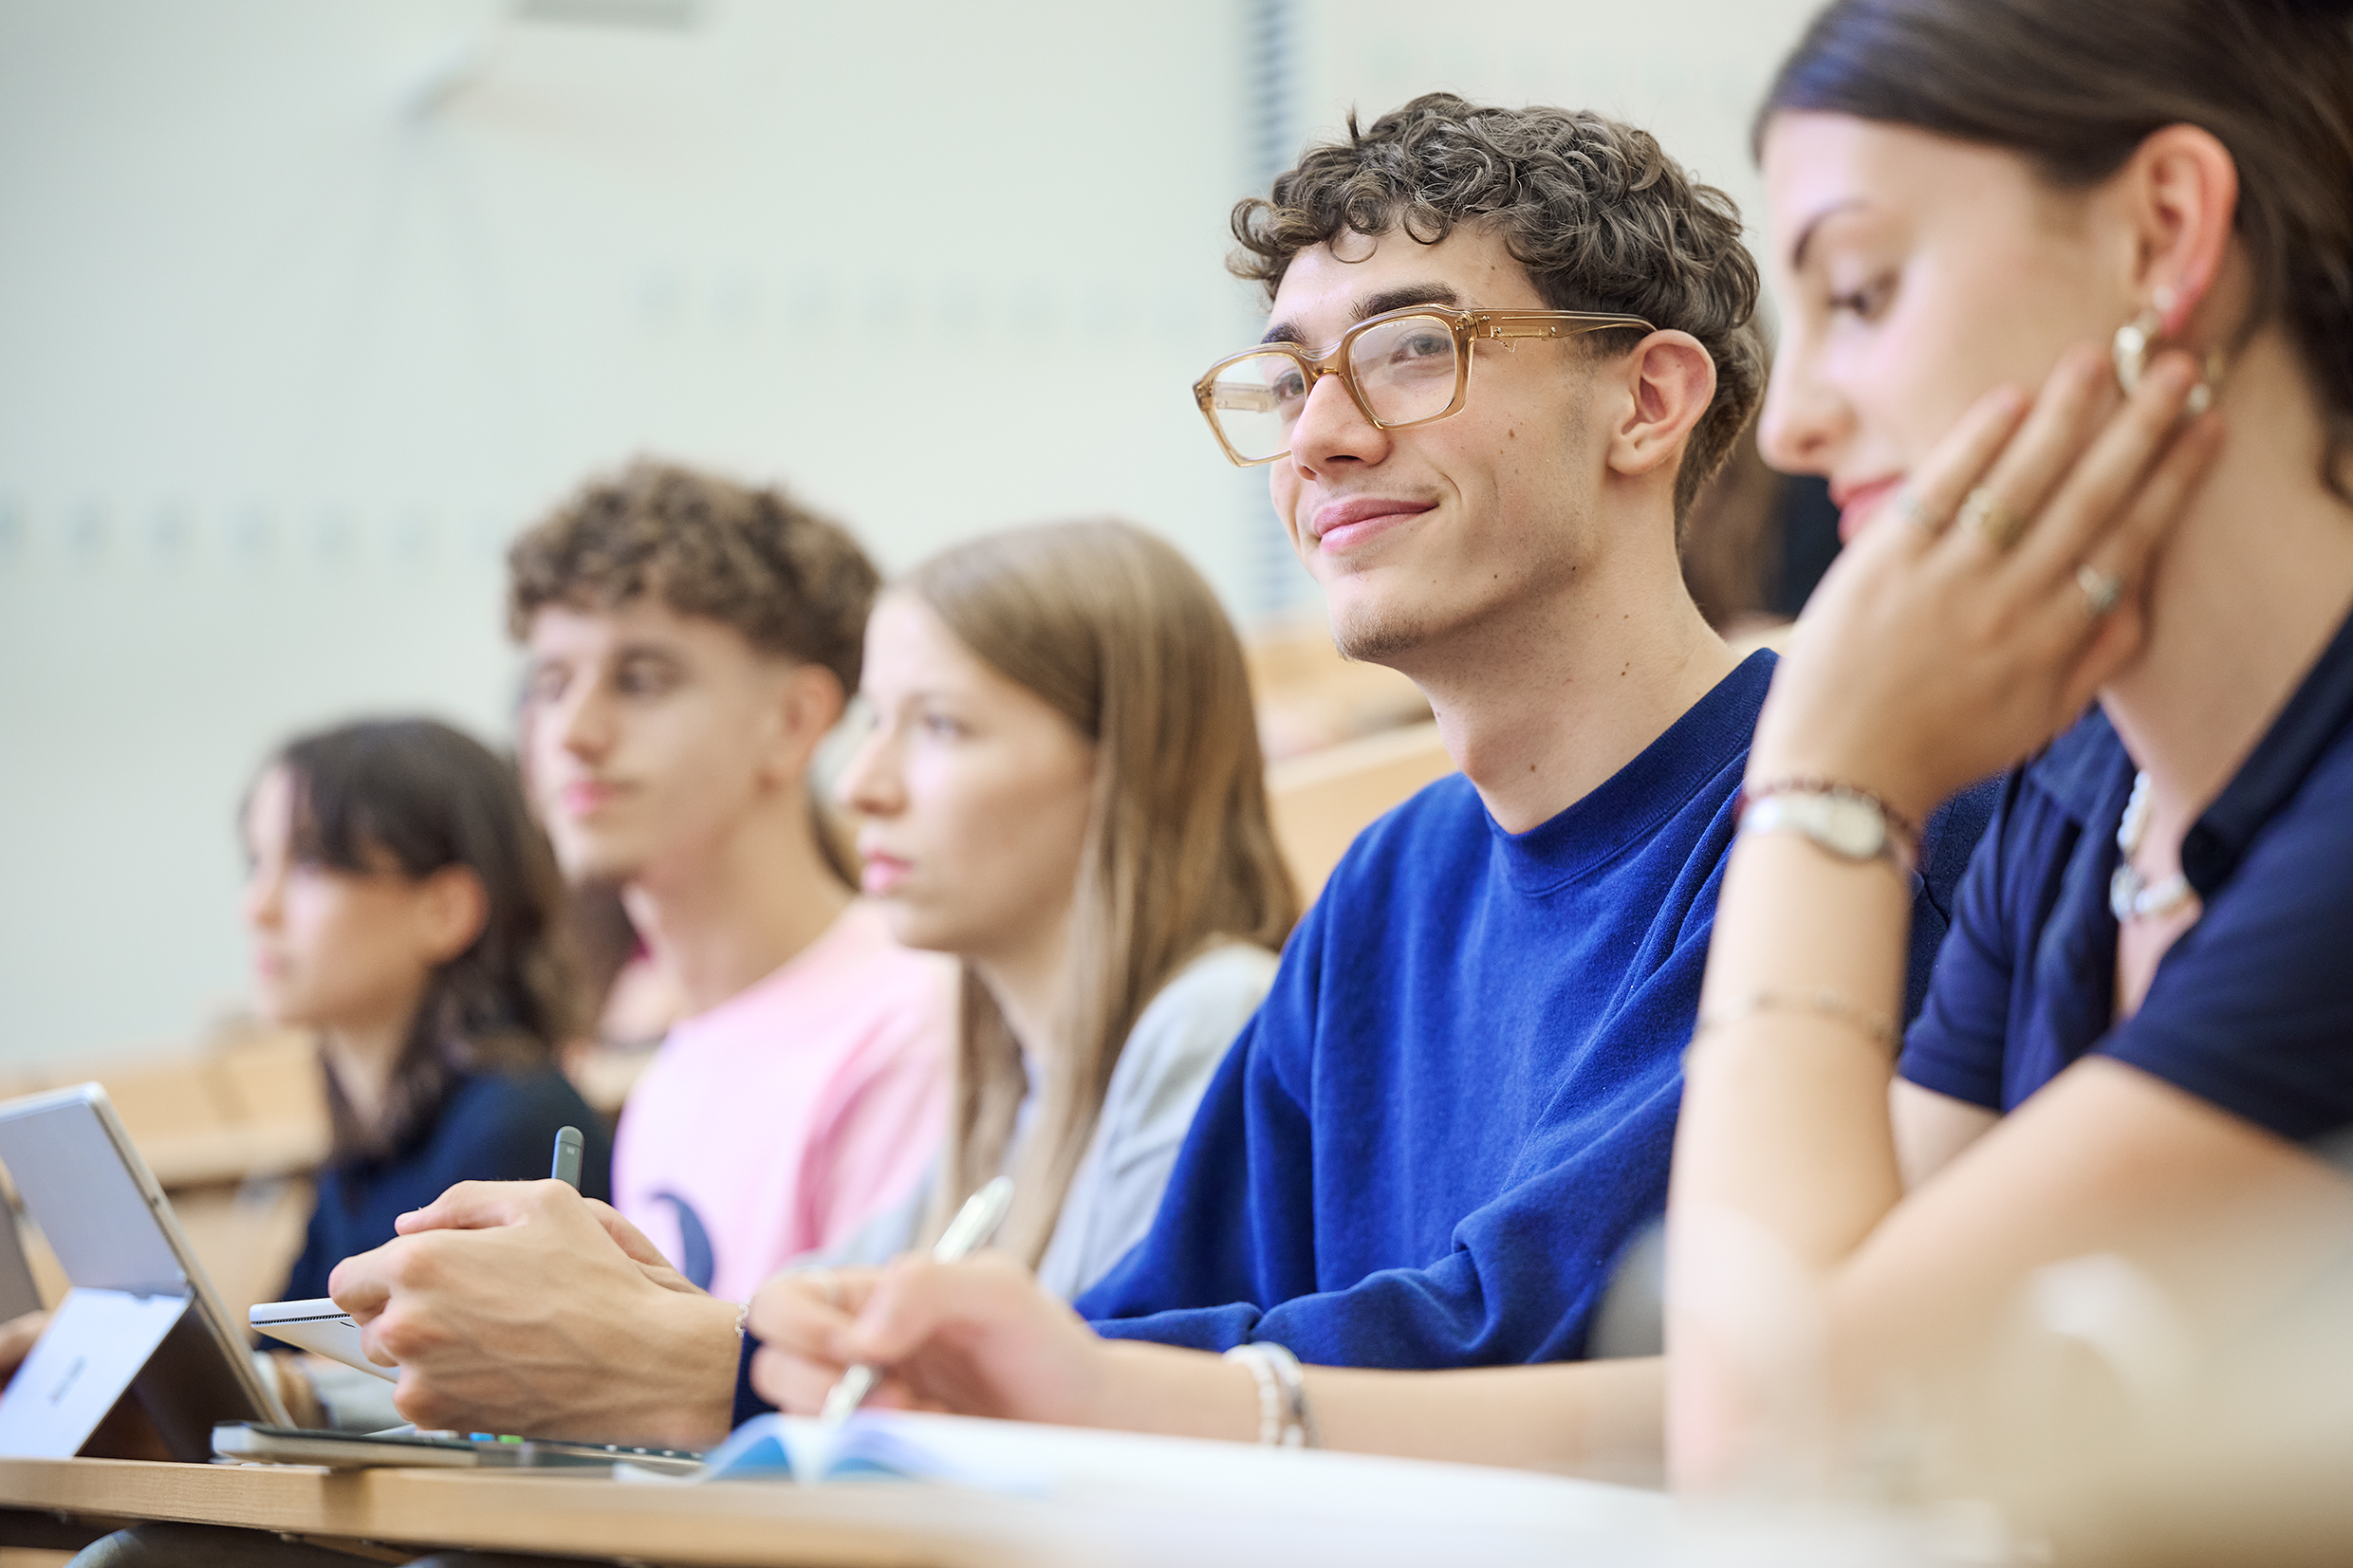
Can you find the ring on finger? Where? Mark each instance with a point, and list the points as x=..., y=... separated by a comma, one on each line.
x=2101, y=590
x=1913, y=510
x=1996, y=519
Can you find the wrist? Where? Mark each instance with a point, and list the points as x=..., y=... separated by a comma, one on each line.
x=1177, y=1392
x=695, y=1351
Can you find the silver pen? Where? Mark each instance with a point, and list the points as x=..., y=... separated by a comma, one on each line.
x=970, y=1231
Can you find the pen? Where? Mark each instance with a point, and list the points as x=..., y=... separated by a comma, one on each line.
x=974, y=1225
x=566, y=1166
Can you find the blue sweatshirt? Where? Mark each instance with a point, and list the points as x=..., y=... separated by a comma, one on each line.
x=490, y=1126
x=1455, y=1108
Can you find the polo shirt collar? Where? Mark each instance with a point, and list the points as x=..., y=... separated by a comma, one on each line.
x=2082, y=769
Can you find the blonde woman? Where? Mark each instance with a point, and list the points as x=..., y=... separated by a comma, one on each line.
x=1063, y=789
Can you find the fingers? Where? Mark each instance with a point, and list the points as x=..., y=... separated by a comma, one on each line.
x=626, y=1236
x=917, y=1298
x=2126, y=554
x=803, y=1321
x=482, y=1205
x=1953, y=468
x=2090, y=503
x=800, y=1314
x=362, y=1285
x=2038, y=457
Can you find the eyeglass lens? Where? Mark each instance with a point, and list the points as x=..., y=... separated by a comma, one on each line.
x=1404, y=368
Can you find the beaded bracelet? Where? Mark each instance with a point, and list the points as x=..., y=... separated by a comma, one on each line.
x=1284, y=1418
x=1826, y=1004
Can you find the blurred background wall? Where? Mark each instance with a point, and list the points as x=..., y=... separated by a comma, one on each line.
x=306, y=306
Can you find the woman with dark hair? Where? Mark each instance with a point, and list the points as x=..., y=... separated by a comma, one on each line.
x=2132, y=590
x=404, y=904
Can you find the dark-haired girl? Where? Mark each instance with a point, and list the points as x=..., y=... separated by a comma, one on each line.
x=2068, y=294
x=404, y=904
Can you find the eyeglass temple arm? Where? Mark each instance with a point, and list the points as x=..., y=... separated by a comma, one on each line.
x=1504, y=323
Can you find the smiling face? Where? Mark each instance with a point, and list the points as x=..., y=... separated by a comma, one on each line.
x=1914, y=273
x=331, y=949
x=973, y=793
x=650, y=735
x=1418, y=534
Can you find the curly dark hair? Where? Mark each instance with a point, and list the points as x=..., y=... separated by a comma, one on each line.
x=1599, y=215
x=792, y=582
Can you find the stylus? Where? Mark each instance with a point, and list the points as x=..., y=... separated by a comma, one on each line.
x=567, y=1167
x=970, y=1231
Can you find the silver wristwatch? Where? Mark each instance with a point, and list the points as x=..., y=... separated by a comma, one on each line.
x=1847, y=822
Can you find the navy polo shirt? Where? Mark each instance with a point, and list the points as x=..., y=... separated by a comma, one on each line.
x=2250, y=1009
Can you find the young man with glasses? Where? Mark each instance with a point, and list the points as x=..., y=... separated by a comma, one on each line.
x=1505, y=350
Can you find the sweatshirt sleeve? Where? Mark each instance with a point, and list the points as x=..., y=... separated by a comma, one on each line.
x=1522, y=1275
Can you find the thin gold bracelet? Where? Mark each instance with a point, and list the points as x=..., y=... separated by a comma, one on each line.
x=1828, y=1004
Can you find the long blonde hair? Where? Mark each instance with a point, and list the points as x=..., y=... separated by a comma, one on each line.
x=1111, y=627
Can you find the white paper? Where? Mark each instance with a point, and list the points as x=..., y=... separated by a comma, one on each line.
x=321, y=1328
x=95, y=1344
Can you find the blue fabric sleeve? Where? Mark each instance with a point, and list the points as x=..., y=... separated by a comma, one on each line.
x=748, y=1401
x=1954, y=1047
x=2253, y=1009
x=1948, y=841
x=1523, y=1271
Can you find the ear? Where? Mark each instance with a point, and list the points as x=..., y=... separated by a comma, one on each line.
x=808, y=703
x=1670, y=381
x=2180, y=191
x=451, y=909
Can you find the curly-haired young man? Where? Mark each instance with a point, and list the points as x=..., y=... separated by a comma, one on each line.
x=691, y=641
x=1505, y=349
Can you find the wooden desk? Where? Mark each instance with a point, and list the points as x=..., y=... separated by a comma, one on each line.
x=851, y=1524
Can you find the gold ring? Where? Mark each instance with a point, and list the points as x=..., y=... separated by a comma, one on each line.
x=2101, y=590
x=1993, y=517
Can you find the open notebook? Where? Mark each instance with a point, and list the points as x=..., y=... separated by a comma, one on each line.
x=1065, y=1464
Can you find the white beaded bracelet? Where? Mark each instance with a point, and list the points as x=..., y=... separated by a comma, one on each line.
x=1284, y=1418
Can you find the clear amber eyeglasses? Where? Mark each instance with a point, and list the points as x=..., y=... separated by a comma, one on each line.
x=1401, y=368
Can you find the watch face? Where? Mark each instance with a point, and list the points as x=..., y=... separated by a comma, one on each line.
x=1851, y=828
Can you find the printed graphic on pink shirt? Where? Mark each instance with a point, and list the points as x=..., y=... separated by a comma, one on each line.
x=784, y=1118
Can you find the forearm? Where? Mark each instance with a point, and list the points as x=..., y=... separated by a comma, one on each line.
x=1785, y=1112
x=1597, y=1418
x=1601, y=1419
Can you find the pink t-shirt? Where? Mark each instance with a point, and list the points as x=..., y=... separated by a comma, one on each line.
x=782, y=1119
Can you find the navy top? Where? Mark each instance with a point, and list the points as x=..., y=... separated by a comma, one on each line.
x=491, y=1127
x=1455, y=1108
x=2252, y=1008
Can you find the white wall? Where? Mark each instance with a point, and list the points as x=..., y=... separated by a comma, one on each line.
x=306, y=304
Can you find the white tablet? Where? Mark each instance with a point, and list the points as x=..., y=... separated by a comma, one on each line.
x=320, y=1327
x=104, y=1215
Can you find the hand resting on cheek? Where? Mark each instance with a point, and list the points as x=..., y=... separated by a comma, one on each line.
x=523, y=1307
x=1936, y=652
